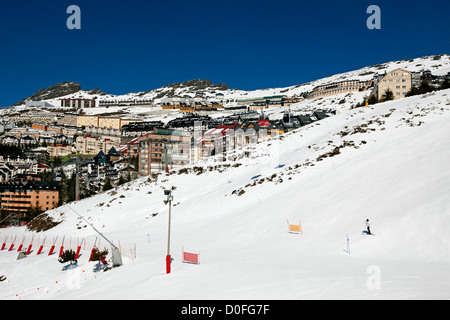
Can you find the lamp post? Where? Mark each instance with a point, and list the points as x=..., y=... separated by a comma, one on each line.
x=168, y=193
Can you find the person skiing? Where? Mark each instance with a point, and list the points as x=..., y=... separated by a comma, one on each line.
x=368, y=226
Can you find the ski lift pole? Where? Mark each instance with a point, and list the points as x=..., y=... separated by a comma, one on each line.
x=117, y=259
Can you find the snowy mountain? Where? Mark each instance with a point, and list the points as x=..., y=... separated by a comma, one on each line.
x=387, y=162
x=438, y=65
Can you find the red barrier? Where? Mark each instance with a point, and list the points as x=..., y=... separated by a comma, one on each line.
x=61, y=251
x=42, y=246
x=51, y=250
x=53, y=246
x=4, y=243
x=21, y=245
x=78, y=253
x=31, y=244
x=78, y=250
x=62, y=248
x=12, y=244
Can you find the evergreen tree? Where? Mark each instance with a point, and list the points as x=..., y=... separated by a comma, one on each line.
x=98, y=255
x=373, y=99
x=68, y=256
x=388, y=95
x=107, y=186
x=425, y=87
x=445, y=84
x=412, y=92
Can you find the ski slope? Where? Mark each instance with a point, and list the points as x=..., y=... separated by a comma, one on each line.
x=387, y=162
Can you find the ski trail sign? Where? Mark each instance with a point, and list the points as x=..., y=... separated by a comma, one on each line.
x=295, y=228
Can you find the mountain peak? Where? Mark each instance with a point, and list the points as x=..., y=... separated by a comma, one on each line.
x=55, y=91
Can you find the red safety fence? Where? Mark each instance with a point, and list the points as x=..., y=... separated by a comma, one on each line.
x=65, y=243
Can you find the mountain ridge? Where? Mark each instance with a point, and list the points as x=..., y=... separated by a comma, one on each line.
x=438, y=64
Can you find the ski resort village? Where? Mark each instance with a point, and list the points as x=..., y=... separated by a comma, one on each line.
x=334, y=189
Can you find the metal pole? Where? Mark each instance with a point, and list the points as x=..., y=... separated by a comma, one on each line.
x=77, y=180
x=168, y=258
x=92, y=226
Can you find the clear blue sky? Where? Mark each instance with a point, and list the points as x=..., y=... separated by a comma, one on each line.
x=130, y=46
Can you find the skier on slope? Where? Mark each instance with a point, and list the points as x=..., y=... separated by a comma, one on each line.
x=368, y=226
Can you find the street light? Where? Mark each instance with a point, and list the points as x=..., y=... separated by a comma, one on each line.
x=168, y=193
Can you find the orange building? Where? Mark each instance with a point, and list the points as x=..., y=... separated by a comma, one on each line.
x=20, y=196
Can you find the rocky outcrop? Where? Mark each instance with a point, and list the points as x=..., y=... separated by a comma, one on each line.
x=58, y=90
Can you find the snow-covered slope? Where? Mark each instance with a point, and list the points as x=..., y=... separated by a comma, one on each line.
x=388, y=163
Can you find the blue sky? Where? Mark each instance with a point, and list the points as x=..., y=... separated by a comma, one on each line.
x=130, y=46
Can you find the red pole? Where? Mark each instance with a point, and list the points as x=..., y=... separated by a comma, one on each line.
x=12, y=244
x=42, y=246
x=53, y=246
x=21, y=245
x=29, y=247
x=78, y=253
x=78, y=250
x=168, y=260
x=62, y=248
x=4, y=243
x=61, y=251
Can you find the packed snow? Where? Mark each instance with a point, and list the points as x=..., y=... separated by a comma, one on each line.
x=387, y=162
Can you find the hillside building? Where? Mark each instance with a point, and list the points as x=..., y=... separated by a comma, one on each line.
x=334, y=88
x=162, y=150
x=93, y=145
x=19, y=197
x=77, y=103
x=399, y=81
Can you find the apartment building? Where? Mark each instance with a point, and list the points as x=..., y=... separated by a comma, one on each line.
x=163, y=149
x=93, y=145
x=59, y=150
x=41, y=117
x=78, y=103
x=18, y=197
x=334, y=88
x=399, y=81
x=69, y=119
x=84, y=120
